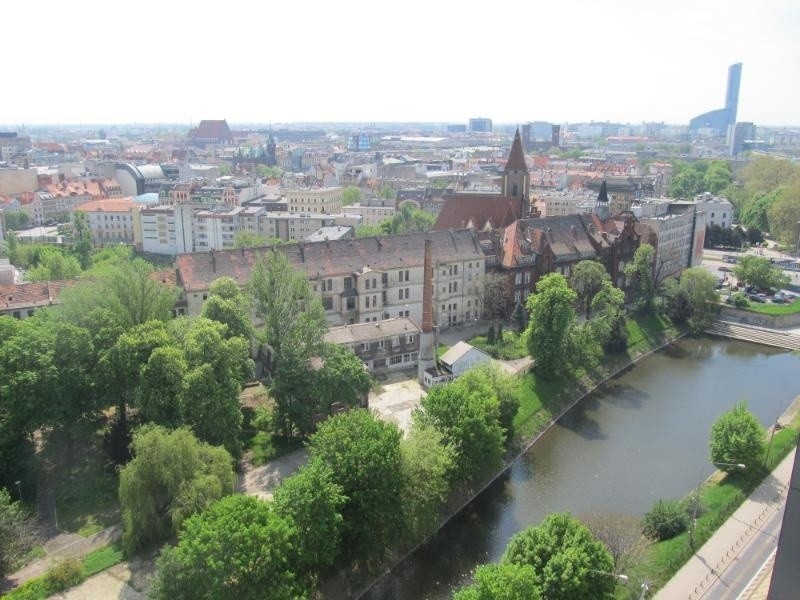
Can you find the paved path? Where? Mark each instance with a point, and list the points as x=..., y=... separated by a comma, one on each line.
x=77, y=548
x=262, y=481
x=722, y=551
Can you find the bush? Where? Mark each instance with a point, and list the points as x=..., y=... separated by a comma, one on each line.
x=67, y=573
x=737, y=437
x=665, y=520
x=739, y=300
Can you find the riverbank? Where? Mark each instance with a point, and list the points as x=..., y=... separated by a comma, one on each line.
x=548, y=402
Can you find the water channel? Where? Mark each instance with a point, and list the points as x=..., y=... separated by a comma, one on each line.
x=642, y=437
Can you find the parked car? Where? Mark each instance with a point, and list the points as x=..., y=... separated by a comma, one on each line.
x=757, y=297
x=780, y=299
x=724, y=269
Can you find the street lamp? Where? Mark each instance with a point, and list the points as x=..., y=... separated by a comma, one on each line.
x=19, y=489
x=622, y=578
x=696, y=505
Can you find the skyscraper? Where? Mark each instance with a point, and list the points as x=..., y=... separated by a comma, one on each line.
x=718, y=121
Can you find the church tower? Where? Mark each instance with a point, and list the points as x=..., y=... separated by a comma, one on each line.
x=516, y=178
x=601, y=207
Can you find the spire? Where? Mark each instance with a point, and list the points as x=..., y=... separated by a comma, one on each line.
x=516, y=158
x=603, y=195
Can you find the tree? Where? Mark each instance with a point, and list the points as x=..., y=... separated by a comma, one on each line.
x=737, y=437
x=760, y=273
x=717, y=177
x=622, y=536
x=409, y=219
x=162, y=387
x=570, y=563
x=229, y=305
x=505, y=386
x=248, y=239
x=784, y=215
x=239, y=549
x=519, y=318
x=754, y=214
x=351, y=195
x=677, y=308
x=54, y=265
x=640, y=273
x=467, y=413
x=426, y=462
x=294, y=320
x=81, y=239
x=387, y=192
x=16, y=220
x=608, y=323
x=502, y=582
x=17, y=533
x=551, y=317
x=586, y=279
x=366, y=230
x=665, y=520
x=495, y=290
x=126, y=292
x=363, y=454
x=698, y=286
x=313, y=502
x=172, y=476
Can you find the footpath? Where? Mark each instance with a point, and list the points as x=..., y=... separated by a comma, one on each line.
x=710, y=562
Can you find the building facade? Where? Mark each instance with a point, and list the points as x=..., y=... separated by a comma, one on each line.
x=113, y=221
x=314, y=200
x=386, y=345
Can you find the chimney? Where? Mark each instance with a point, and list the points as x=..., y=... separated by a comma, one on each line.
x=427, y=290
x=213, y=261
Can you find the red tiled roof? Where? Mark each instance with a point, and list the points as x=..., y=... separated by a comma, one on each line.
x=478, y=210
x=112, y=205
x=15, y=296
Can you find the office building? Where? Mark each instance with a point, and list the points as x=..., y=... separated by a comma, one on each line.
x=716, y=122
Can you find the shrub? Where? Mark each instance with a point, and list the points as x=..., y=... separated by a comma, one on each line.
x=67, y=573
x=739, y=300
x=737, y=437
x=665, y=520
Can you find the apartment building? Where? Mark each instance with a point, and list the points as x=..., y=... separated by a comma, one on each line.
x=314, y=200
x=113, y=221
x=362, y=280
x=719, y=211
x=371, y=215
x=386, y=345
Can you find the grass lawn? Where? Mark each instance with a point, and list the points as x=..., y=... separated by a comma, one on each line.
x=266, y=446
x=720, y=497
x=512, y=347
x=774, y=309
x=85, y=482
x=102, y=558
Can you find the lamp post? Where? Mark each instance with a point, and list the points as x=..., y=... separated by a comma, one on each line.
x=696, y=504
x=622, y=578
x=19, y=489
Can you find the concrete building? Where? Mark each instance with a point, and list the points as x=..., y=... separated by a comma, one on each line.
x=719, y=211
x=480, y=125
x=558, y=204
x=314, y=200
x=385, y=345
x=113, y=221
x=371, y=215
x=18, y=181
x=717, y=122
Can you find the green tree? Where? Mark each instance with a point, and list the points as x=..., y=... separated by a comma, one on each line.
x=754, y=214
x=495, y=291
x=387, y=192
x=586, y=279
x=760, y=272
x=665, y=520
x=363, y=454
x=248, y=239
x=162, y=387
x=640, y=273
x=717, y=177
x=172, y=476
x=239, y=549
x=217, y=368
x=409, y=219
x=54, y=265
x=426, y=463
x=737, y=437
x=784, y=215
x=351, y=195
x=365, y=231
x=502, y=582
x=313, y=502
x=686, y=183
x=468, y=416
x=505, y=386
x=17, y=533
x=294, y=320
x=341, y=378
x=81, y=239
x=519, y=318
x=229, y=305
x=551, y=318
x=16, y=220
x=608, y=323
x=570, y=563
x=699, y=288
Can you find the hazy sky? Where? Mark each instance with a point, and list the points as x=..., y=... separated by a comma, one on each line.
x=412, y=60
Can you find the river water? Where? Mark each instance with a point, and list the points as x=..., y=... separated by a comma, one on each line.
x=641, y=437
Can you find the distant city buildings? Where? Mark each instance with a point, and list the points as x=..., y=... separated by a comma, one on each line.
x=480, y=125
x=717, y=122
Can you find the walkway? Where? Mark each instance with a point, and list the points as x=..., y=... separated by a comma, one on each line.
x=262, y=481
x=760, y=335
x=710, y=563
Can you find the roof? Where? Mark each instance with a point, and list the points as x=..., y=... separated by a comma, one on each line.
x=210, y=129
x=16, y=296
x=196, y=271
x=516, y=158
x=362, y=332
x=457, y=352
x=478, y=211
x=111, y=205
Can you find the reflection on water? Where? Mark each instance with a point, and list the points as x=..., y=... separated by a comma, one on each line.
x=642, y=437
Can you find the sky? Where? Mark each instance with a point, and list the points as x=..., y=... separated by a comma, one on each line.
x=284, y=61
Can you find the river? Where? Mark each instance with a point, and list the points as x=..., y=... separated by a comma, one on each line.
x=641, y=437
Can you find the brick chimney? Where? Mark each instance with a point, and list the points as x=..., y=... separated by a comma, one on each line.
x=427, y=290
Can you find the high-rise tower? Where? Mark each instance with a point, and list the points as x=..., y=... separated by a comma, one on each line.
x=719, y=121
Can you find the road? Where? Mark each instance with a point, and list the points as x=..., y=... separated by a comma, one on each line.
x=736, y=577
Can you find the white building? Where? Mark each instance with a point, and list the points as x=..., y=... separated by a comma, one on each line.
x=679, y=229
x=719, y=211
x=113, y=221
x=314, y=200
x=371, y=215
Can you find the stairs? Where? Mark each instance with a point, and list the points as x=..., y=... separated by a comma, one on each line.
x=759, y=335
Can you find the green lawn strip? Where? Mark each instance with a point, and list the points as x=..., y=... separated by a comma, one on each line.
x=774, y=309
x=512, y=347
x=440, y=351
x=67, y=574
x=720, y=497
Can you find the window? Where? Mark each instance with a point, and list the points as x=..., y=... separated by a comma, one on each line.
x=375, y=301
x=328, y=285
x=365, y=346
x=403, y=276
x=518, y=279
x=327, y=303
x=395, y=360
x=366, y=301
x=409, y=339
x=380, y=344
x=366, y=283
x=527, y=276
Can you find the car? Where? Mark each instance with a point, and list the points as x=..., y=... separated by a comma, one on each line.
x=778, y=299
x=724, y=269
x=762, y=298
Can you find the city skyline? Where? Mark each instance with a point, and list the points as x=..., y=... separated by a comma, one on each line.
x=575, y=62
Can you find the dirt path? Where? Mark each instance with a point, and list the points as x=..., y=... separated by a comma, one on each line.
x=262, y=481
